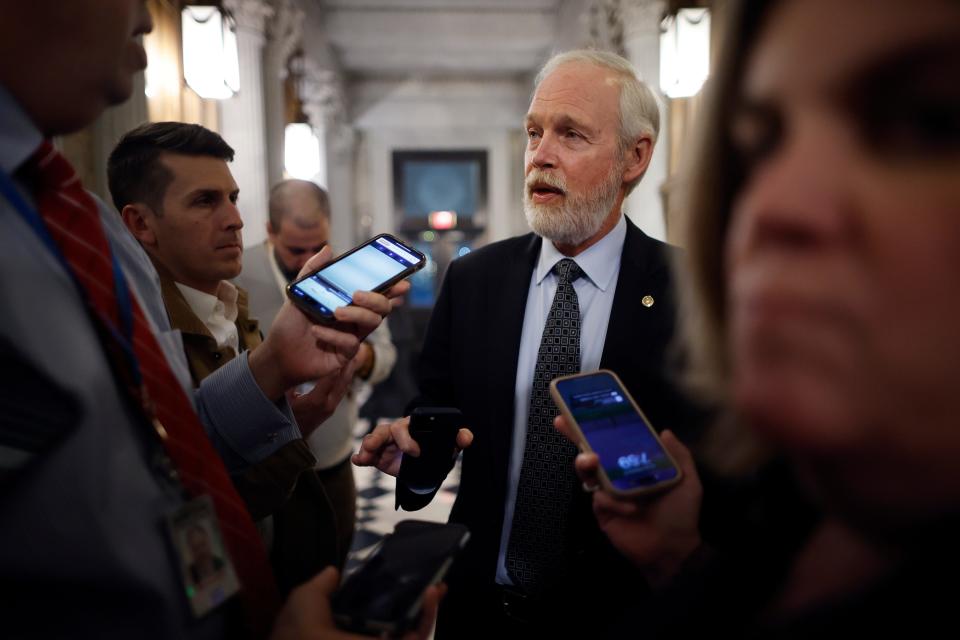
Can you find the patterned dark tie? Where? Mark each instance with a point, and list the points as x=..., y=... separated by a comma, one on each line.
x=535, y=553
x=72, y=219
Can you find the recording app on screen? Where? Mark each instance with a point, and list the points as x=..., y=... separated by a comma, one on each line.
x=362, y=270
x=628, y=451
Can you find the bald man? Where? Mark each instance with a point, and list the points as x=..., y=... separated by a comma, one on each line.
x=298, y=227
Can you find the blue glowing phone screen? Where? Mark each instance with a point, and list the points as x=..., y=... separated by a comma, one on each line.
x=363, y=270
x=629, y=452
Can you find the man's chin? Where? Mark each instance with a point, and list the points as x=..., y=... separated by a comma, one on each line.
x=119, y=91
x=543, y=222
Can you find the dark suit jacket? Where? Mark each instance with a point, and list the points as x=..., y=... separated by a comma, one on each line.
x=469, y=361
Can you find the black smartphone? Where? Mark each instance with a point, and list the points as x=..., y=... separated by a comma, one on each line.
x=609, y=423
x=376, y=265
x=385, y=593
x=435, y=430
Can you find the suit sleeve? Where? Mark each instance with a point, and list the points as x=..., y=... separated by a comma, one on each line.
x=435, y=378
x=435, y=367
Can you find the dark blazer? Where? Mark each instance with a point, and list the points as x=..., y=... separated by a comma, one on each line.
x=469, y=361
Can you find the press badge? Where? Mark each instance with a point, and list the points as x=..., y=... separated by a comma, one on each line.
x=208, y=576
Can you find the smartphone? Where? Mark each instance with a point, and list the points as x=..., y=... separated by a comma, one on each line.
x=609, y=423
x=376, y=265
x=435, y=430
x=385, y=593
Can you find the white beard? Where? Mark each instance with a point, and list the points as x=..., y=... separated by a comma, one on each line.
x=578, y=218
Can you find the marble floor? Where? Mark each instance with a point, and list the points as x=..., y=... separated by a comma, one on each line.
x=376, y=515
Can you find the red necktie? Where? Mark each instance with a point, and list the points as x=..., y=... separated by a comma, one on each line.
x=71, y=216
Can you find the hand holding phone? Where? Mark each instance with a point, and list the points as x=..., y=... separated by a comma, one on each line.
x=375, y=265
x=385, y=594
x=307, y=612
x=656, y=529
x=434, y=429
x=607, y=421
x=297, y=350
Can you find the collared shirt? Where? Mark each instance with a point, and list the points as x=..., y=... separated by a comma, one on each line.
x=109, y=499
x=595, y=289
x=217, y=313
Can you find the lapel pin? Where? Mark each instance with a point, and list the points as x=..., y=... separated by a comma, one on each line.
x=647, y=301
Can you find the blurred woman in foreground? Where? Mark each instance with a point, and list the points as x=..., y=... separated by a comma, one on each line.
x=824, y=262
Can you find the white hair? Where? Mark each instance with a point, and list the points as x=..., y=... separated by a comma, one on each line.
x=639, y=112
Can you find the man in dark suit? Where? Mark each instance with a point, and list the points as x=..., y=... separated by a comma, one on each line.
x=588, y=289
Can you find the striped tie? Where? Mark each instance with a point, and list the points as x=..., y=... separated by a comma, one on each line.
x=72, y=219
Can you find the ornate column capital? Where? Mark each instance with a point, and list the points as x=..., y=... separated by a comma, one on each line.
x=251, y=15
x=322, y=97
x=285, y=30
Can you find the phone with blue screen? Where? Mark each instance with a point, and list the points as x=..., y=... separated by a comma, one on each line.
x=609, y=423
x=376, y=265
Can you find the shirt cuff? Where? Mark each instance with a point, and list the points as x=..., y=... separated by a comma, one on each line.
x=245, y=426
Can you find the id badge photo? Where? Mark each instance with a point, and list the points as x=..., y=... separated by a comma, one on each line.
x=207, y=573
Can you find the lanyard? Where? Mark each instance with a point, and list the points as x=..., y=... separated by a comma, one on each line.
x=124, y=302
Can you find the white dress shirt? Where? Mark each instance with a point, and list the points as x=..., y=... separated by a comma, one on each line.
x=218, y=313
x=595, y=289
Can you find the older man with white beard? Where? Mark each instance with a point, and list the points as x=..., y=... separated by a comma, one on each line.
x=587, y=289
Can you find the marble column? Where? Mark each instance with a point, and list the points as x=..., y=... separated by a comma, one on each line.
x=641, y=39
x=242, y=121
x=284, y=37
x=324, y=106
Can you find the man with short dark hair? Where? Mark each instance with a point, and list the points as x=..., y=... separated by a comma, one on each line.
x=185, y=216
x=172, y=186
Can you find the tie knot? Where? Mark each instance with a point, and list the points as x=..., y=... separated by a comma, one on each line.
x=567, y=270
x=47, y=169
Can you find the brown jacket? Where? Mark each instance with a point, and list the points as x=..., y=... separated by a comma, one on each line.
x=304, y=528
x=203, y=354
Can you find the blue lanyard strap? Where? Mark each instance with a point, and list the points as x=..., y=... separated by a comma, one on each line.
x=124, y=301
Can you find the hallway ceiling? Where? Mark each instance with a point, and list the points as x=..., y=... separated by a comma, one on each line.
x=388, y=38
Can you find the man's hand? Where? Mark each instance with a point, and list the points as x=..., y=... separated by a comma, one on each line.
x=307, y=614
x=311, y=409
x=384, y=447
x=656, y=532
x=297, y=350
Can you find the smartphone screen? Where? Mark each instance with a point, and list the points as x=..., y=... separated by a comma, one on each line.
x=629, y=451
x=364, y=269
x=385, y=593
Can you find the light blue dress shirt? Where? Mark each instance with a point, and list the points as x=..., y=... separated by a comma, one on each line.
x=83, y=526
x=595, y=289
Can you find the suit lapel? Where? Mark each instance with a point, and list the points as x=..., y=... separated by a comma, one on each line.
x=627, y=317
x=514, y=282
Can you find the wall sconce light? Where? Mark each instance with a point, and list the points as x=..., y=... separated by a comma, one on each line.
x=210, y=58
x=684, y=52
x=301, y=151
